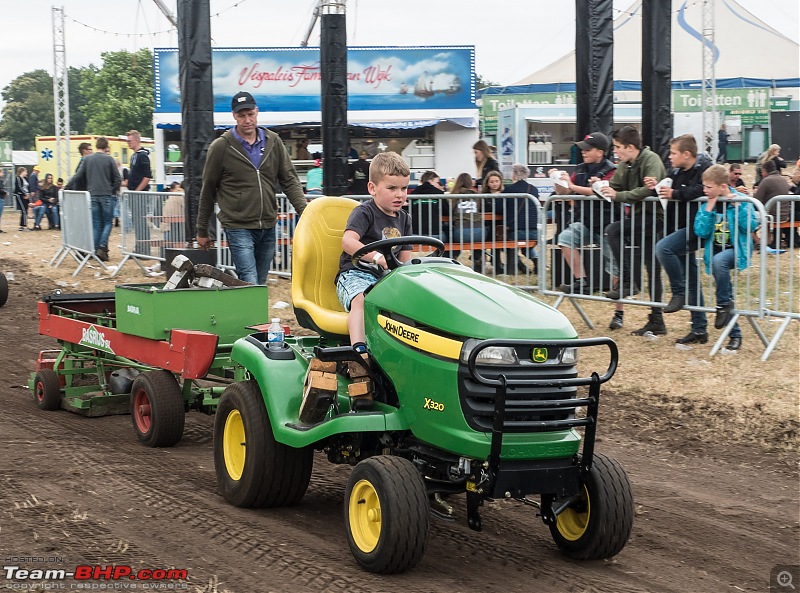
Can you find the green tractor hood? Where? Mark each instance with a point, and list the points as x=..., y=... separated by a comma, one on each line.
x=456, y=300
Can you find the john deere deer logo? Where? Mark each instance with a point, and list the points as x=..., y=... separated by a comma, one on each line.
x=539, y=355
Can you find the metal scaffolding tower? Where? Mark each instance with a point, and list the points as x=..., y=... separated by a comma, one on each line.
x=708, y=95
x=61, y=94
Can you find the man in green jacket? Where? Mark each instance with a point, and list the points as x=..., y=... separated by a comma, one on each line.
x=642, y=226
x=243, y=169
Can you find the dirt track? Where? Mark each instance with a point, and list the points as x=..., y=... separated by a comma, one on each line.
x=713, y=513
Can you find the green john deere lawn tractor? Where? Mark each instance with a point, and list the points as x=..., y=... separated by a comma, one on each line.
x=475, y=391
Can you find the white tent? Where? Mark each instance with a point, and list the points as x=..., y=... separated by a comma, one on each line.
x=744, y=46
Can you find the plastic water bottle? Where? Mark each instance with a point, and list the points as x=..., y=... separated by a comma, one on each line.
x=275, y=335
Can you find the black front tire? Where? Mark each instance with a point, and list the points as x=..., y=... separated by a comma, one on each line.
x=599, y=524
x=386, y=514
x=46, y=390
x=157, y=409
x=253, y=469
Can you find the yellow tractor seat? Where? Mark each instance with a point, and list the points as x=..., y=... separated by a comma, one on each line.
x=316, y=248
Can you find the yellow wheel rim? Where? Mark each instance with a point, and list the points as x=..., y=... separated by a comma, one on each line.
x=365, y=516
x=234, y=447
x=572, y=524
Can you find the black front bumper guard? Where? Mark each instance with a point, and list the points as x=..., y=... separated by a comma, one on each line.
x=508, y=479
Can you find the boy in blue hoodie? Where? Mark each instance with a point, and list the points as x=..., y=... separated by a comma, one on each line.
x=726, y=228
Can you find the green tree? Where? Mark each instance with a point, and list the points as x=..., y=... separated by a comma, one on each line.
x=482, y=82
x=29, y=109
x=77, y=100
x=119, y=96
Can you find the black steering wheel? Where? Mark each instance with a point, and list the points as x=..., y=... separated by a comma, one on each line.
x=387, y=248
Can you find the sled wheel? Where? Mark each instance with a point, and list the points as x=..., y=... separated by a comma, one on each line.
x=157, y=409
x=47, y=391
x=3, y=289
x=386, y=514
x=253, y=469
x=599, y=524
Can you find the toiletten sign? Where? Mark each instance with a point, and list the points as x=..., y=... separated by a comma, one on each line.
x=289, y=79
x=686, y=100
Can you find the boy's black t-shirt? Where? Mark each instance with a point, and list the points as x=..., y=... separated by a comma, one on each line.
x=722, y=230
x=372, y=224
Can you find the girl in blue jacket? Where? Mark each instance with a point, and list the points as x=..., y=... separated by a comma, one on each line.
x=726, y=228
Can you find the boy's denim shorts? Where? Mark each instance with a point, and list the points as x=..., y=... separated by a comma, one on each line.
x=352, y=283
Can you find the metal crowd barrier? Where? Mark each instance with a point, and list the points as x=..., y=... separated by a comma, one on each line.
x=475, y=231
x=77, y=232
x=151, y=222
x=782, y=302
x=476, y=237
x=749, y=285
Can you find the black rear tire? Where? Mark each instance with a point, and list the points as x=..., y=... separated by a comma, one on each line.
x=46, y=390
x=386, y=514
x=3, y=289
x=253, y=469
x=157, y=409
x=599, y=525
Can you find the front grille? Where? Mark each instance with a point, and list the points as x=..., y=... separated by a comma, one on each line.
x=524, y=410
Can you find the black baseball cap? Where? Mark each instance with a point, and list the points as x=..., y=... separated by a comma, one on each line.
x=594, y=140
x=242, y=100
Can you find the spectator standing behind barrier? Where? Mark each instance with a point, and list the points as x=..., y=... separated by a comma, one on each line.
x=672, y=250
x=589, y=218
x=102, y=179
x=33, y=184
x=520, y=220
x=642, y=226
x=725, y=228
x=722, y=144
x=426, y=213
x=466, y=220
x=21, y=196
x=773, y=153
x=75, y=183
x=359, y=175
x=139, y=176
x=242, y=168
x=484, y=161
x=774, y=184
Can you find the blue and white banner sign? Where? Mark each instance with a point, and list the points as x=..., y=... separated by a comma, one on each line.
x=288, y=79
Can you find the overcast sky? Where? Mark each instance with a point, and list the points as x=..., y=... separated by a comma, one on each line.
x=512, y=38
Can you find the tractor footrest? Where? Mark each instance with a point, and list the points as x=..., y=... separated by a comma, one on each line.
x=96, y=403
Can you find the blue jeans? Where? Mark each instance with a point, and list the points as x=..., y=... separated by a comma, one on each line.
x=252, y=251
x=672, y=253
x=52, y=215
x=38, y=214
x=721, y=265
x=2, y=206
x=522, y=235
x=102, y=219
